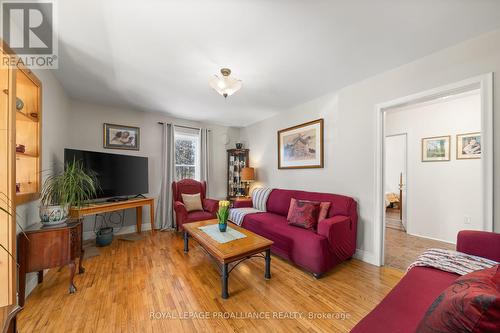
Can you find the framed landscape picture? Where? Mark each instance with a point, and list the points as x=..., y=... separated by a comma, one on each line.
x=468, y=146
x=301, y=146
x=121, y=137
x=436, y=149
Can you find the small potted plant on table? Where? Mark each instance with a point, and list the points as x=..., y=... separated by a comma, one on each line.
x=60, y=191
x=223, y=214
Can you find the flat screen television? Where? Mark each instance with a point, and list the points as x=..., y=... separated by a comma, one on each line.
x=118, y=175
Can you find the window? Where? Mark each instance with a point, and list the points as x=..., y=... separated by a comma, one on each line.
x=187, y=153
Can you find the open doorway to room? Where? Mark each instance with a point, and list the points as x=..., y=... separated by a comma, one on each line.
x=434, y=175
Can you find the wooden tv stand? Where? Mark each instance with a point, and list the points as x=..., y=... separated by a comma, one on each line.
x=107, y=207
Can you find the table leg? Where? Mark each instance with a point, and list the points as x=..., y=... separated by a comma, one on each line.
x=81, y=269
x=138, y=211
x=72, y=268
x=40, y=276
x=186, y=242
x=225, y=276
x=267, y=274
x=152, y=215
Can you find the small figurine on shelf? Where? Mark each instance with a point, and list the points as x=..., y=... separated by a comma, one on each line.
x=20, y=148
x=239, y=145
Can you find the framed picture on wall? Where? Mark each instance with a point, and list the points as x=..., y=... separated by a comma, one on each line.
x=468, y=146
x=121, y=137
x=436, y=149
x=301, y=146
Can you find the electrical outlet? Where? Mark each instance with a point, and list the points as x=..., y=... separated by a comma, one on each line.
x=467, y=220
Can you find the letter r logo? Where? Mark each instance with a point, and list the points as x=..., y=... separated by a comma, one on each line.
x=27, y=26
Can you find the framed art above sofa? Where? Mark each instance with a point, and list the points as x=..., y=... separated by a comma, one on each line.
x=301, y=146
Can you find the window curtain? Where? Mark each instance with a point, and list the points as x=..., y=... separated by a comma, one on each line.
x=205, y=152
x=164, y=211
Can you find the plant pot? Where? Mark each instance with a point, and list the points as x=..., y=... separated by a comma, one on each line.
x=53, y=214
x=222, y=227
x=104, y=236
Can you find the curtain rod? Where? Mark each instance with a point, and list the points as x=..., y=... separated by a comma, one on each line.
x=195, y=128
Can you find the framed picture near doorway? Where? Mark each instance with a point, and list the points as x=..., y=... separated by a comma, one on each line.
x=436, y=149
x=468, y=146
x=301, y=146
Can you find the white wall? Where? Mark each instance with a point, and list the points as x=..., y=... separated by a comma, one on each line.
x=350, y=128
x=440, y=195
x=395, y=161
x=86, y=121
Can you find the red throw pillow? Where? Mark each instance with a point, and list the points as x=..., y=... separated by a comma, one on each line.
x=324, y=208
x=470, y=304
x=303, y=214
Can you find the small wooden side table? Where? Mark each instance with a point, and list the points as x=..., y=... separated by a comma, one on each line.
x=47, y=247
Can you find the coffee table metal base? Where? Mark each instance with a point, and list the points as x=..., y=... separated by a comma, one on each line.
x=226, y=268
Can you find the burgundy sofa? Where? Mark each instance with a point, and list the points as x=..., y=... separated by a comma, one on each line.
x=404, y=307
x=317, y=251
x=191, y=186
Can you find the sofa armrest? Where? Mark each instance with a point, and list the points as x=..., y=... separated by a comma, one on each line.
x=210, y=205
x=243, y=204
x=479, y=243
x=338, y=230
x=180, y=209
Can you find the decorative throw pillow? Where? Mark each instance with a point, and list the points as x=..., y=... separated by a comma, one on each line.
x=470, y=304
x=303, y=214
x=324, y=208
x=192, y=202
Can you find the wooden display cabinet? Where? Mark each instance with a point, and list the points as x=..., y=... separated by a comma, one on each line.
x=237, y=159
x=28, y=134
x=21, y=126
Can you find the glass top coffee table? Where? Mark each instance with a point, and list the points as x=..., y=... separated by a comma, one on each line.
x=228, y=255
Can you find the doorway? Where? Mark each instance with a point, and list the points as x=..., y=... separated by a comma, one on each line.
x=395, y=181
x=484, y=221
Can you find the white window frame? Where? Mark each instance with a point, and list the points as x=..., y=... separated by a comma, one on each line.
x=195, y=136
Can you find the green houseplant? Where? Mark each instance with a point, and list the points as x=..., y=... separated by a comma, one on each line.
x=72, y=187
x=223, y=215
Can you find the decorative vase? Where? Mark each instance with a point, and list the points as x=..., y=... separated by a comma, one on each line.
x=239, y=145
x=54, y=214
x=222, y=226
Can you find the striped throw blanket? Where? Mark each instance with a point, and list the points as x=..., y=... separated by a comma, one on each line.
x=259, y=202
x=452, y=261
x=237, y=215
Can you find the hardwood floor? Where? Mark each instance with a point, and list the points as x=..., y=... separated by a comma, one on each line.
x=402, y=249
x=151, y=286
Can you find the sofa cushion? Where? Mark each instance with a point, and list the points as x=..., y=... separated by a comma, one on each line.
x=404, y=307
x=279, y=201
x=192, y=201
x=470, y=304
x=200, y=216
x=303, y=214
x=304, y=247
x=324, y=208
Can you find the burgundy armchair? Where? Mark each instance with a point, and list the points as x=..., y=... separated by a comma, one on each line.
x=191, y=186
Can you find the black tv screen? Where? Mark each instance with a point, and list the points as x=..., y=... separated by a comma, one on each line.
x=118, y=175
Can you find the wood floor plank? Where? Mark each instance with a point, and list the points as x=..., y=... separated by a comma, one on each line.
x=151, y=285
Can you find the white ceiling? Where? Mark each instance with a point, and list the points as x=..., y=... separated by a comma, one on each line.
x=158, y=55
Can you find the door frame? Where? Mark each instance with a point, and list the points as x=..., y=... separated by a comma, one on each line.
x=404, y=211
x=485, y=85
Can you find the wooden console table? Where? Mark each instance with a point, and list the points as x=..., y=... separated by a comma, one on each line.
x=42, y=247
x=107, y=207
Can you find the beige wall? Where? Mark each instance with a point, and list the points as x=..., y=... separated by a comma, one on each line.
x=350, y=128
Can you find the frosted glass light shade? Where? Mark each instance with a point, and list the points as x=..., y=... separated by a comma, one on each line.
x=224, y=84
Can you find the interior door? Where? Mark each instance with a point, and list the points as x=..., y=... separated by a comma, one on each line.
x=395, y=174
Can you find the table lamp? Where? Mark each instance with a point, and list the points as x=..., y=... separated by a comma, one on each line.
x=247, y=176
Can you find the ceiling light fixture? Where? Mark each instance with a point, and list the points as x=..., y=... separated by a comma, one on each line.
x=225, y=85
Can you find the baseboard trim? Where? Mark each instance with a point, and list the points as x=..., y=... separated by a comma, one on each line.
x=366, y=256
x=432, y=238
x=128, y=229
